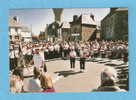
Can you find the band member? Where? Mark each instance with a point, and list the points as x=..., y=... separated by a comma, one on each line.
x=56, y=50
x=72, y=58
x=125, y=53
x=29, y=55
x=103, y=50
x=51, y=51
x=66, y=49
x=82, y=59
x=46, y=53
x=38, y=59
x=12, y=58
x=95, y=50
x=16, y=56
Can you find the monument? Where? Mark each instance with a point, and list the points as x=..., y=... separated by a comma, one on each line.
x=57, y=24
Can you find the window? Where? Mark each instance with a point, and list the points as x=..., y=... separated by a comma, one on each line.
x=16, y=30
x=10, y=37
x=16, y=37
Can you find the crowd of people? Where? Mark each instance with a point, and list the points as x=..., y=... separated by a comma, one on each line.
x=49, y=50
x=40, y=82
x=35, y=53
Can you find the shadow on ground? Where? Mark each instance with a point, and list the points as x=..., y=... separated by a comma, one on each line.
x=67, y=73
x=112, y=64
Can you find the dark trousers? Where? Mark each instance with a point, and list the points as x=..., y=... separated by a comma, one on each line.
x=66, y=52
x=103, y=55
x=29, y=58
x=46, y=55
x=51, y=54
x=72, y=62
x=56, y=54
x=95, y=55
x=13, y=63
x=82, y=63
x=125, y=57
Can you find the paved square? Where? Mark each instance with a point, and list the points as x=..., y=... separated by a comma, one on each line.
x=66, y=80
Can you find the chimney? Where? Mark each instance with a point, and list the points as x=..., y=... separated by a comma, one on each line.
x=112, y=9
x=75, y=18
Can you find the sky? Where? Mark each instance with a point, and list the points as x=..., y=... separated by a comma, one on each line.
x=39, y=18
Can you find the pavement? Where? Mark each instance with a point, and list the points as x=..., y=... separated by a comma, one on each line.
x=66, y=80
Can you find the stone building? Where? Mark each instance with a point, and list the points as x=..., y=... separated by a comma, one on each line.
x=14, y=29
x=83, y=27
x=65, y=31
x=26, y=34
x=54, y=31
x=43, y=36
x=115, y=25
x=17, y=31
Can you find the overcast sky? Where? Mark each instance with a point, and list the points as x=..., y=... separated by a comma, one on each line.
x=38, y=18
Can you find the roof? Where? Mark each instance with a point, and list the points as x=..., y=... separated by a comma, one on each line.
x=87, y=19
x=121, y=9
x=26, y=29
x=13, y=23
x=114, y=11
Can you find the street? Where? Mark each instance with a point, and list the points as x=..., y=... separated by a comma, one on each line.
x=66, y=80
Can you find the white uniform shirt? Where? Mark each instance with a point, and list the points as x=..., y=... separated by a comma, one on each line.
x=42, y=55
x=17, y=53
x=38, y=60
x=66, y=47
x=72, y=54
x=12, y=54
x=51, y=48
x=24, y=50
x=82, y=54
x=57, y=47
x=29, y=52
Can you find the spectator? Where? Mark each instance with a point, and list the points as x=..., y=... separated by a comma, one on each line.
x=16, y=81
x=34, y=84
x=46, y=82
x=108, y=80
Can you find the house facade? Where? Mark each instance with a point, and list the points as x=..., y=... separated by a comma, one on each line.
x=115, y=25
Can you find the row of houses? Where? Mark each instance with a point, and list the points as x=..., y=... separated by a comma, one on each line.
x=17, y=31
x=83, y=27
x=114, y=26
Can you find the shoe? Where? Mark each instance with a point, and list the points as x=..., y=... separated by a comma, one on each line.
x=71, y=69
x=81, y=70
x=84, y=70
x=74, y=69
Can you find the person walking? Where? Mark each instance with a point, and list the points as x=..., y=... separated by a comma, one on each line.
x=12, y=57
x=38, y=60
x=82, y=59
x=72, y=58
